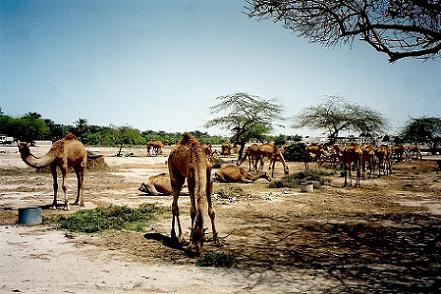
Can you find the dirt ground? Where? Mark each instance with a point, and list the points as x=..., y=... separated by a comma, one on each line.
x=381, y=238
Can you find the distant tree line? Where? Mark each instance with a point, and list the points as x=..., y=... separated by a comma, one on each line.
x=32, y=126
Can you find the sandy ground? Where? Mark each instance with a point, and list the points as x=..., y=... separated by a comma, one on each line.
x=383, y=237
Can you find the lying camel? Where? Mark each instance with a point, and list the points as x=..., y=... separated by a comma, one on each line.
x=65, y=153
x=236, y=174
x=187, y=160
x=157, y=184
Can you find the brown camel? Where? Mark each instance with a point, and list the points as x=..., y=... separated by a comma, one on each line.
x=226, y=149
x=368, y=159
x=352, y=155
x=273, y=153
x=187, y=160
x=253, y=156
x=155, y=146
x=65, y=153
x=236, y=174
x=384, y=154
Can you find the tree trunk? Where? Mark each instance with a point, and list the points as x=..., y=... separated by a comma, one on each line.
x=242, y=147
x=119, y=152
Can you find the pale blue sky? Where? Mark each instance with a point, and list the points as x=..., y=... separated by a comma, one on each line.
x=160, y=65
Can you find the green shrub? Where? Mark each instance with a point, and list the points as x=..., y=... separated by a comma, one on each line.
x=217, y=259
x=295, y=152
x=111, y=217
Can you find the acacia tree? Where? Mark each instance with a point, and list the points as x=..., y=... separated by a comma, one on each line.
x=398, y=28
x=246, y=116
x=425, y=130
x=336, y=114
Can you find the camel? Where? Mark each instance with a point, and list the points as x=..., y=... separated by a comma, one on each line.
x=236, y=174
x=368, y=158
x=383, y=154
x=65, y=153
x=352, y=154
x=155, y=146
x=187, y=160
x=272, y=152
x=253, y=155
x=157, y=184
x=226, y=149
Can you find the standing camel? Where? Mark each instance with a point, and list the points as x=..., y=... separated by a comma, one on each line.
x=155, y=146
x=187, y=160
x=352, y=154
x=272, y=152
x=253, y=155
x=65, y=153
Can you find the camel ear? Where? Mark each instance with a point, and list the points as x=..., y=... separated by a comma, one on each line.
x=28, y=144
x=18, y=142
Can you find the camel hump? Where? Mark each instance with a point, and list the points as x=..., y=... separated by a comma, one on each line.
x=188, y=138
x=70, y=136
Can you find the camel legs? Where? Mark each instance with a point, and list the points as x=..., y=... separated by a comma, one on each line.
x=176, y=183
x=66, y=200
x=211, y=212
x=79, y=171
x=53, y=168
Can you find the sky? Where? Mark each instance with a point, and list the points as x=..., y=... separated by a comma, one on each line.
x=159, y=65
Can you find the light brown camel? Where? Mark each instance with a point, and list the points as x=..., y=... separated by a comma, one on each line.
x=253, y=156
x=236, y=174
x=65, y=153
x=155, y=146
x=187, y=160
x=273, y=153
x=384, y=155
x=159, y=185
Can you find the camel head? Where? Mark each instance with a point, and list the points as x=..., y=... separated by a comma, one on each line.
x=23, y=148
x=143, y=188
x=198, y=239
x=267, y=176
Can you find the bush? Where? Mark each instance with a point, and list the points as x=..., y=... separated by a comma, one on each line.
x=295, y=152
x=111, y=217
x=217, y=259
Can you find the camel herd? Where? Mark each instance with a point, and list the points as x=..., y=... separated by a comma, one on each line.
x=366, y=160
x=189, y=161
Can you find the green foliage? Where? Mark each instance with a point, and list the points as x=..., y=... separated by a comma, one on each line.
x=295, y=152
x=335, y=115
x=426, y=130
x=246, y=116
x=217, y=259
x=109, y=218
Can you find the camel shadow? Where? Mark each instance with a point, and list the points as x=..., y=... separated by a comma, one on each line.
x=169, y=242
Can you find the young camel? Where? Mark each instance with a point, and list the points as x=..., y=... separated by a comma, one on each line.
x=187, y=160
x=236, y=174
x=272, y=152
x=352, y=154
x=65, y=153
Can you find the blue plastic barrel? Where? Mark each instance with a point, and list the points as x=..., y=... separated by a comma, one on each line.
x=29, y=216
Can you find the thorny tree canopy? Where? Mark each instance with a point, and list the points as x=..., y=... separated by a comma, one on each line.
x=335, y=115
x=247, y=116
x=398, y=28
